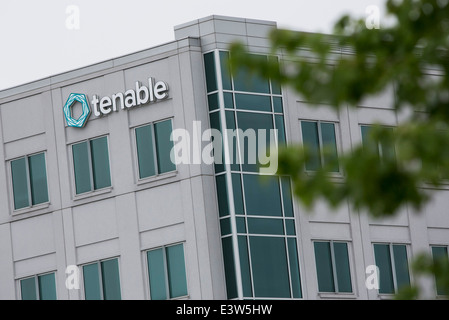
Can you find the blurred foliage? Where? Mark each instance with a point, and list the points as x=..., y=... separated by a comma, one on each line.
x=424, y=264
x=410, y=57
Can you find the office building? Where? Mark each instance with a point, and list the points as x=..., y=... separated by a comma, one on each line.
x=88, y=184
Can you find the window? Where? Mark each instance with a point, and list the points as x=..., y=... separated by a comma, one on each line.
x=439, y=253
x=153, y=149
x=384, y=149
x=39, y=287
x=332, y=266
x=29, y=181
x=275, y=267
x=167, y=273
x=101, y=280
x=91, y=165
x=262, y=197
x=319, y=139
x=251, y=148
x=391, y=259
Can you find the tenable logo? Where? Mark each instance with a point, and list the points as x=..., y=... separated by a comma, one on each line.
x=81, y=121
x=156, y=91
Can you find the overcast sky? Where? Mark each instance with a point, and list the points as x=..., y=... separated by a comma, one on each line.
x=36, y=41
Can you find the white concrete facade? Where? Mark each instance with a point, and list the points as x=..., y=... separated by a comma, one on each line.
x=134, y=215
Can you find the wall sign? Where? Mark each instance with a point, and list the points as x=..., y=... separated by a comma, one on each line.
x=156, y=91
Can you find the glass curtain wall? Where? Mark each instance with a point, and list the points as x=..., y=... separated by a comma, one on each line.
x=256, y=213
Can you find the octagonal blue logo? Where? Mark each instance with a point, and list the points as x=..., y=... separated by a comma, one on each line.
x=81, y=121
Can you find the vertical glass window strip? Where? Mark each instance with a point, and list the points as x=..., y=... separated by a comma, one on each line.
x=38, y=178
x=311, y=142
x=29, y=181
x=277, y=105
x=383, y=262
x=167, y=274
x=329, y=145
x=215, y=124
x=225, y=226
x=238, y=195
x=91, y=165
x=176, y=271
x=332, y=264
x=20, y=183
x=367, y=141
x=388, y=149
x=440, y=253
x=225, y=70
x=228, y=100
x=232, y=141
x=401, y=266
x=47, y=286
x=279, y=121
x=343, y=272
x=222, y=195
x=244, y=266
x=294, y=268
x=100, y=163
x=393, y=267
x=40, y=287
x=28, y=289
x=145, y=151
x=164, y=146
x=212, y=101
x=229, y=267
x=102, y=280
x=156, y=269
x=209, y=66
x=287, y=197
x=323, y=259
x=110, y=279
x=82, y=167
x=275, y=86
x=91, y=280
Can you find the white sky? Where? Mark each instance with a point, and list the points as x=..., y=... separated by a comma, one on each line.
x=35, y=42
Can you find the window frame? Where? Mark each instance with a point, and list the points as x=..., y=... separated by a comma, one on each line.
x=147, y=270
x=320, y=142
x=438, y=296
x=72, y=164
x=334, y=269
x=379, y=144
x=31, y=206
x=98, y=263
x=156, y=176
x=36, y=281
x=393, y=267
